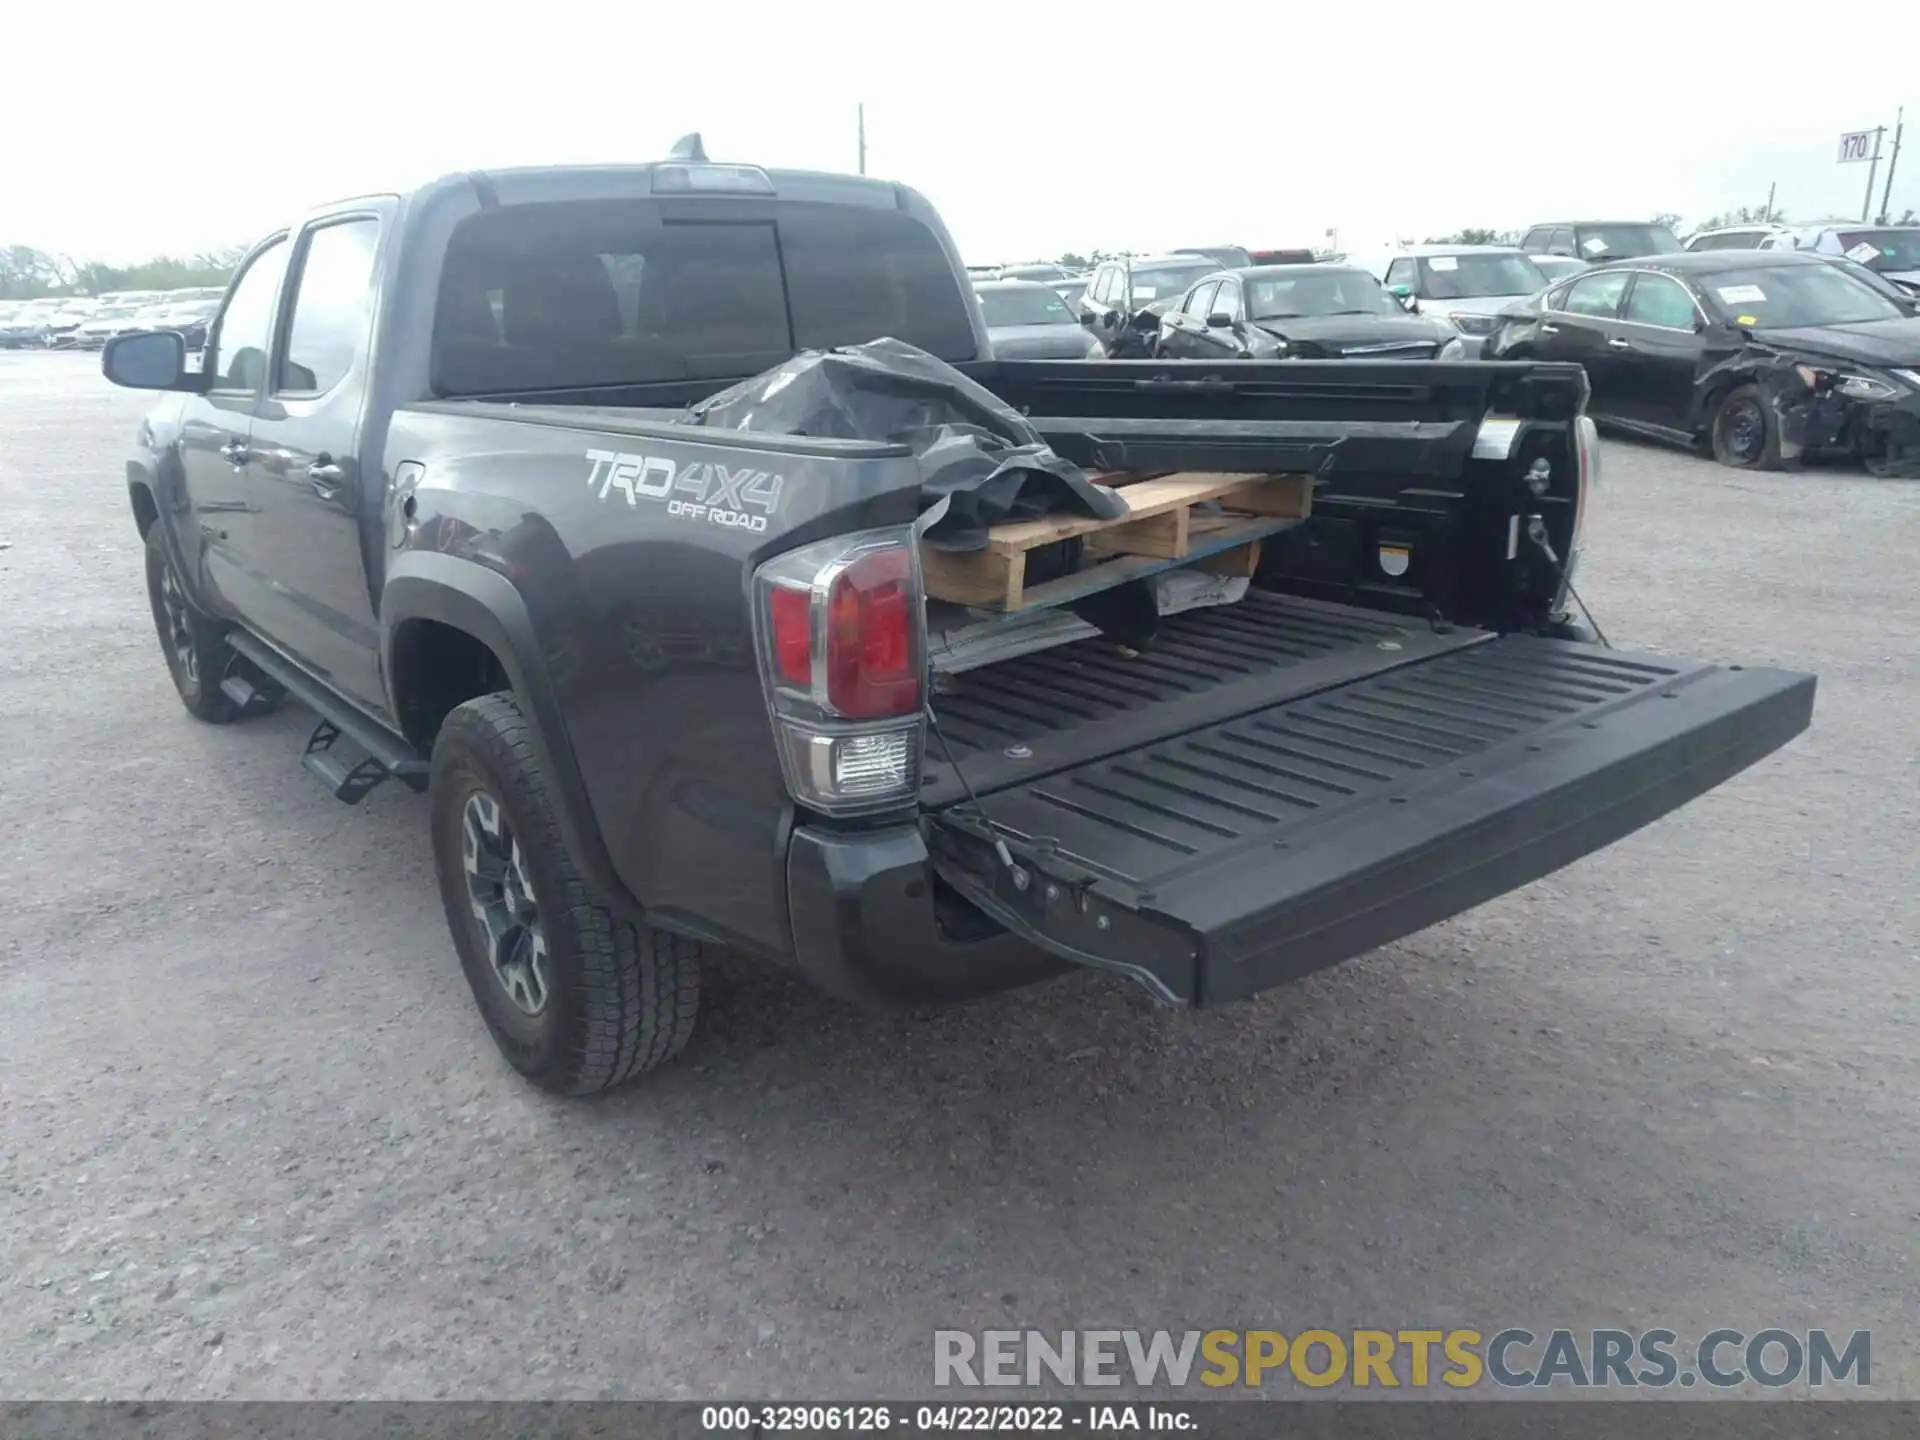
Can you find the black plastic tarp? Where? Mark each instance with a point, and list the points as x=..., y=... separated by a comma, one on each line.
x=981, y=462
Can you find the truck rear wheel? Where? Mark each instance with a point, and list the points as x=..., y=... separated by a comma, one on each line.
x=193, y=642
x=577, y=997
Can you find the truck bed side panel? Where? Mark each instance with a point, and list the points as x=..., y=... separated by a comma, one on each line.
x=632, y=549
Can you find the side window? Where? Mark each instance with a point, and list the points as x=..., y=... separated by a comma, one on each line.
x=1403, y=272
x=1598, y=294
x=1108, y=286
x=1561, y=242
x=1227, y=302
x=239, y=345
x=332, y=306
x=1200, y=300
x=1658, y=300
x=1535, y=239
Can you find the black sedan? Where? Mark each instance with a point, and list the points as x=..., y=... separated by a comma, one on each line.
x=1760, y=356
x=1300, y=312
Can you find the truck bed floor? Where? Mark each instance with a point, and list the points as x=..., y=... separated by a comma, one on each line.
x=1012, y=721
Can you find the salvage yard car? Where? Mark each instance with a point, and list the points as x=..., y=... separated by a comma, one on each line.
x=1122, y=305
x=1890, y=251
x=106, y=322
x=1735, y=237
x=668, y=685
x=24, y=323
x=1761, y=356
x=1300, y=312
x=1029, y=321
x=1465, y=285
x=1597, y=240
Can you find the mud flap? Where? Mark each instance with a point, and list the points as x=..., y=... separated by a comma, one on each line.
x=1218, y=863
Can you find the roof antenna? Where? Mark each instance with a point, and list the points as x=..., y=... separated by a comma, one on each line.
x=688, y=147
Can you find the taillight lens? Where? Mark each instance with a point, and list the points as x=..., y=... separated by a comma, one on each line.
x=842, y=631
x=791, y=615
x=872, y=671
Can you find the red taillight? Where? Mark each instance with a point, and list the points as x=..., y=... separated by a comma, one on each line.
x=791, y=620
x=869, y=662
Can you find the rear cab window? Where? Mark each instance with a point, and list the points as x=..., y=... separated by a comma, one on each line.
x=569, y=295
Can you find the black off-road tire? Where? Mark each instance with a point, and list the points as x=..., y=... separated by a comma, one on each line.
x=620, y=997
x=1736, y=443
x=193, y=642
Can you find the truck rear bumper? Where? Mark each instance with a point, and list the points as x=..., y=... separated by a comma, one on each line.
x=1218, y=863
x=867, y=926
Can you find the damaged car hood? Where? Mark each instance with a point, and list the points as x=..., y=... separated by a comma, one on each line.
x=1342, y=335
x=1877, y=342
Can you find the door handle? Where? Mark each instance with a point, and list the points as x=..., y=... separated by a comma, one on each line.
x=1546, y=329
x=235, y=452
x=325, y=477
x=1618, y=344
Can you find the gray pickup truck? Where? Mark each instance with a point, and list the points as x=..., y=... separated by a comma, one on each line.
x=667, y=686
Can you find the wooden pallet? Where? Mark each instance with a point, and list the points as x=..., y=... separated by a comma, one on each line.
x=1162, y=529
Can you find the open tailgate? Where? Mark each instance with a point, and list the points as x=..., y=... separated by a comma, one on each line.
x=1248, y=852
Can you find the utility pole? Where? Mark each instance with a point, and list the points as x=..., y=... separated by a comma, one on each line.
x=1866, y=205
x=1886, y=195
x=863, y=138
x=1767, y=215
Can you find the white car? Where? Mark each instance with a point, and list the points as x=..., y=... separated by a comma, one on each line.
x=1891, y=251
x=1465, y=285
x=1735, y=237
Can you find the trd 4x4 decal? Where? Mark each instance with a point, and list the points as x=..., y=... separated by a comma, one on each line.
x=718, y=494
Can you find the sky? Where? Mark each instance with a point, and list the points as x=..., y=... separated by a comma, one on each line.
x=1034, y=129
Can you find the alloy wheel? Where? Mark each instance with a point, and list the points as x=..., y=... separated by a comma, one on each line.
x=504, y=903
x=179, y=625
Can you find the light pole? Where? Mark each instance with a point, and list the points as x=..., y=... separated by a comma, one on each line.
x=1886, y=195
x=1866, y=205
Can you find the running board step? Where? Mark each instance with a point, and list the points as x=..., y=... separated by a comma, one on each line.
x=349, y=752
x=342, y=766
x=255, y=695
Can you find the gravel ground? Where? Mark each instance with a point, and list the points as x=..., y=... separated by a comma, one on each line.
x=254, y=1141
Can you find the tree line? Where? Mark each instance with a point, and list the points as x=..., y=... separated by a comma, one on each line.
x=29, y=274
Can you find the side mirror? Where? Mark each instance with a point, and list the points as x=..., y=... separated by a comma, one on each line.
x=149, y=360
x=1220, y=320
x=1400, y=292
